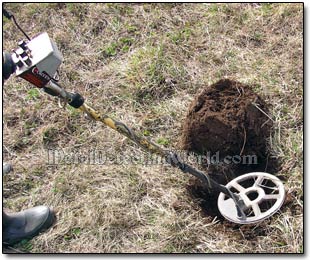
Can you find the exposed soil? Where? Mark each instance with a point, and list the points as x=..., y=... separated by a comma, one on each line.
x=227, y=120
x=227, y=117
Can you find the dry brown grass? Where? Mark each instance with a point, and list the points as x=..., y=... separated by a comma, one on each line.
x=143, y=63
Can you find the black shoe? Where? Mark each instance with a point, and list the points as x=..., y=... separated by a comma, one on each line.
x=26, y=224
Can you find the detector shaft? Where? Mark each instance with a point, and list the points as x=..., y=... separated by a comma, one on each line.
x=171, y=157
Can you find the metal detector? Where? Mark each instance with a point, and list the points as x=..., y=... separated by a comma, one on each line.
x=248, y=199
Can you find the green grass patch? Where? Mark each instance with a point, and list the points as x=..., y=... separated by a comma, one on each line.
x=118, y=47
x=32, y=94
x=163, y=141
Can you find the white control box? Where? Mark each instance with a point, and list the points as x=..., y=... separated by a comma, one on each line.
x=38, y=60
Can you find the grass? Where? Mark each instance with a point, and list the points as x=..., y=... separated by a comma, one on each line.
x=144, y=64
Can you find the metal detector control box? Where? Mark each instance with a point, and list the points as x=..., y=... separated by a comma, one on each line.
x=37, y=60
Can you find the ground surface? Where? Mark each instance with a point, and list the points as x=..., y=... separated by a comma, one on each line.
x=144, y=64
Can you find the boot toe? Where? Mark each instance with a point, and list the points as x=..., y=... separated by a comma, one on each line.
x=38, y=219
x=27, y=224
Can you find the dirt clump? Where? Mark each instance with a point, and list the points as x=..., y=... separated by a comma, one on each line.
x=227, y=117
x=228, y=123
x=228, y=120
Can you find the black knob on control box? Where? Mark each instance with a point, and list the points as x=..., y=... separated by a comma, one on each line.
x=23, y=45
x=27, y=60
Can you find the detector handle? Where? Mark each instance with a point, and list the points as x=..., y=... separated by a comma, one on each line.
x=8, y=66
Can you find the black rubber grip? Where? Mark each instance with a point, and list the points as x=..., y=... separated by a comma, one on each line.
x=76, y=100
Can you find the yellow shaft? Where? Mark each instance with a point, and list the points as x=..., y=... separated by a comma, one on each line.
x=124, y=130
